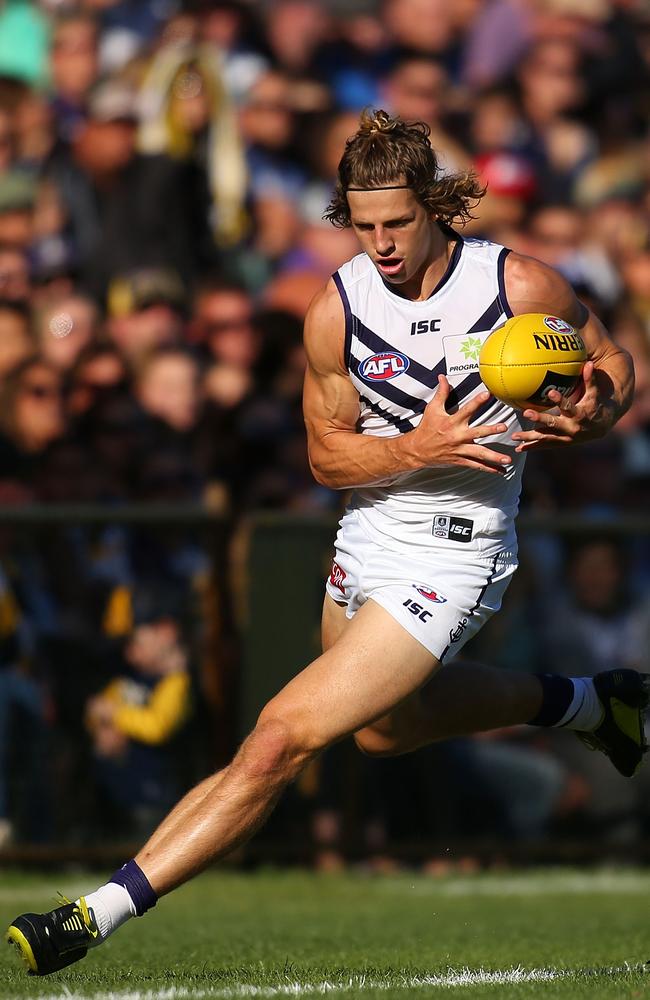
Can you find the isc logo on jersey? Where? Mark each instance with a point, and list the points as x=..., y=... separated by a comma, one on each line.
x=381, y=367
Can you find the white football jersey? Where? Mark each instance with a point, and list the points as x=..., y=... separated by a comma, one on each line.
x=395, y=349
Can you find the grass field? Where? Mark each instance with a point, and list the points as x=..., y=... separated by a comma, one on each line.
x=551, y=933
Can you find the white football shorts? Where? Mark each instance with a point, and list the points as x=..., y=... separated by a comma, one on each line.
x=442, y=599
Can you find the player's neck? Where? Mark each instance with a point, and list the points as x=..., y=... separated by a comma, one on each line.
x=428, y=277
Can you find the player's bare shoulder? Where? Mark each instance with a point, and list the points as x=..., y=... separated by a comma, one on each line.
x=324, y=333
x=532, y=286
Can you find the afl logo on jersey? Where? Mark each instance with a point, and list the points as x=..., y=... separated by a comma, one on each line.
x=431, y=595
x=381, y=367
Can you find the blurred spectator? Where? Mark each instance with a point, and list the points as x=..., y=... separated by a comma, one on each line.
x=99, y=372
x=636, y=278
x=495, y=40
x=15, y=284
x=126, y=209
x=318, y=247
x=497, y=122
x=294, y=30
x=133, y=721
x=558, y=236
x=223, y=327
x=32, y=417
x=267, y=124
x=74, y=67
x=354, y=59
x=6, y=140
x=232, y=28
x=599, y=624
x=511, y=186
x=34, y=128
x=17, y=199
x=420, y=25
x=550, y=80
x=144, y=311
x=22, y=703
x=16, y=343
x=52, y=251
x=187, y=114
x=167, y=387
x=293, y=291
x=416, y=90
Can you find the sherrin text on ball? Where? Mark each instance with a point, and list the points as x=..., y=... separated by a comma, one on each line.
x=528, y=357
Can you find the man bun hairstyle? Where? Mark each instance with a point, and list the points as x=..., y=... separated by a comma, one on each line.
x=389, y=152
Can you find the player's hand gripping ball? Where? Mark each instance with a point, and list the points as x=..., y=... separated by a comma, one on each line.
x=528, y=357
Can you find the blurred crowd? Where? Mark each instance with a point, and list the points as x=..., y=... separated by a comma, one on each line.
x=163, y=174
x=164, y=169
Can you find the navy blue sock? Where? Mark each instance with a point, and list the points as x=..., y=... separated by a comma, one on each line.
x=136, y=883
x=557, y=695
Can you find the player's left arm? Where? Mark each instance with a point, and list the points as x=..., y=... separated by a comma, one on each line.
x=608, y=375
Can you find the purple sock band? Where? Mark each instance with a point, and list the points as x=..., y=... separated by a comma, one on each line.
x=136, y=883
x=557, y=695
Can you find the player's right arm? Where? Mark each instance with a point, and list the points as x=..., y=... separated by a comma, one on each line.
x=340, y=457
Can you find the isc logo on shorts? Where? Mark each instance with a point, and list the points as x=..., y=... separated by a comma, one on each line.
x=457, y=529
x=381, y=367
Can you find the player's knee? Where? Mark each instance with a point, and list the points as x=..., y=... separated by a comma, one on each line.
x=276, y=747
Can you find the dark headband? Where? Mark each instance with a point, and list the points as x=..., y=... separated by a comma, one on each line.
x=388, y=187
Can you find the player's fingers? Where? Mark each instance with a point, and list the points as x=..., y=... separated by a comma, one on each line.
x=539, y=439
x=442, y=395
x=545, y=441
x=565, y=403
x=549, y=421
x=487, y=430
x=467, y=411
x=567, y=406
x=585, y=395
x=555, y=422
x=488, y=455
x=541, y=432
x=546, y=434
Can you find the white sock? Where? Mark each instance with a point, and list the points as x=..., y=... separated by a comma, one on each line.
x=585, y=711
x=111, y=906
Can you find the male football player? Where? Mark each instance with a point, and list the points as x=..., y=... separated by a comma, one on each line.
x=396, y=411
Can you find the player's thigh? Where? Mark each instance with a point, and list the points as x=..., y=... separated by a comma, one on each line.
x=334, y=621
x=373, y=666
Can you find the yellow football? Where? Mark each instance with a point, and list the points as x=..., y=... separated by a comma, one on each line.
x=527, y=357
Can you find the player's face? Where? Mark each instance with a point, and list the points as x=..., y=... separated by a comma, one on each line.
x=395, y=230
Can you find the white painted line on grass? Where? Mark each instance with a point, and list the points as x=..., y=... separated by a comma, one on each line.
x=449, y=980
x=582, y=884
